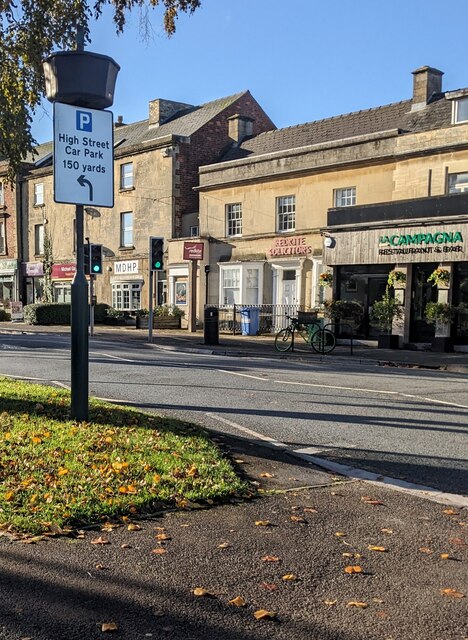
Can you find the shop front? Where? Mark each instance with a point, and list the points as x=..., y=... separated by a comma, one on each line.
x=8, y=282
x=62, y=276
x=33, y=281
x=363, y=256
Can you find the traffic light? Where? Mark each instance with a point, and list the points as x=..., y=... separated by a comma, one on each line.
x=86, y=258
x=96, y=259
x=157, y=254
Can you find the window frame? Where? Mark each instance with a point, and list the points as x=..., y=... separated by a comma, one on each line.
x=39, y=232
x=285, y=220
x=2, y=194
x=194, y=231
x=3, y=244
x=340, y=193
x=123, y=186
x=243, y=269
x=123, y=295
x=38, y=202
x=125, y=229
x=455, y=110
x=456, y=191
x=233, y=219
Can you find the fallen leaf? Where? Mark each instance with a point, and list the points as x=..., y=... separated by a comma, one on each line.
x=289, y=576
x=340, y=534
x=445, y=556
x=266, y=475
x=371, y=547
x=310, y=510
x=369, y=500
x=355, y=603
x=271, y=559
x=100, y=540
x=425, y=550
x=62, y=471
x=133, y=527
x=353, y=569
x=239, y=601
x=388, y=531
x=239, y=461
x=452, y=593
x=201, y=592
x=125, y=545
x=262, y=523
x=298, y=519
x=451, y=512
x=458, y=541
x=382, y=614
x=159, y=551
x=223, y=545
x=378, y=600
x=263, y=614
x=109, y=626
x=100, y=566
x=269, y=586
x=163, y=536
x=330, y=603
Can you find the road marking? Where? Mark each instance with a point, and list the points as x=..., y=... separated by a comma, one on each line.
x=341, y=388
x=416, y=490
x=109, y=355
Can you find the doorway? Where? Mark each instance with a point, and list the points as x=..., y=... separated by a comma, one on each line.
x=422, y=292
x=288, y=295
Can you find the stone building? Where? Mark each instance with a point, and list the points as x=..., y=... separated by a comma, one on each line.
x=389, y=172
x=9, y=264
x=155, y=169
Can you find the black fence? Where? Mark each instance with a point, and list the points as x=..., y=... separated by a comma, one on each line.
x=256, y=318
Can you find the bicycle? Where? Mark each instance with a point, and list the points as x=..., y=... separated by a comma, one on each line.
x=322, y=340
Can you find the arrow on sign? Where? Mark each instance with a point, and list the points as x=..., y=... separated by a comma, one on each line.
x=82, y=181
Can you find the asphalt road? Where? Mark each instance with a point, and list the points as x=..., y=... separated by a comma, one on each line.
x=407, y=424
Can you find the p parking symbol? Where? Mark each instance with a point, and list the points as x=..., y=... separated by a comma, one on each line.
x=84, y=121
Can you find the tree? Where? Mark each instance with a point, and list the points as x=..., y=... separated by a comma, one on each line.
x=29, y=31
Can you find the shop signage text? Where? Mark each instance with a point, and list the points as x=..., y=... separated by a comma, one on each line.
x=295, y=246
x=33, y=269
x=437, y=242
x=193, y=250
x=8, y=265
x=63, y=271
x=126, y=266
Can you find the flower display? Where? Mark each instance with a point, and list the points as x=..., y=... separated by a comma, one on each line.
x=326, y=279
x=439, y=276
x=396, y=278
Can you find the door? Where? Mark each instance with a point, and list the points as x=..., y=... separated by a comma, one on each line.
x=376, y=287
x=422, y=292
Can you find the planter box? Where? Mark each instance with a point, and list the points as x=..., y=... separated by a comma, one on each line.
x=159, y=322
x=386, y=341
x=442, y=345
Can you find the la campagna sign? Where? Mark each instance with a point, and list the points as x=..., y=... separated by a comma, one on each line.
x=436, y=242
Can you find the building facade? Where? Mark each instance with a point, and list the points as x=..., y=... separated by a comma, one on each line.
x=10, y=275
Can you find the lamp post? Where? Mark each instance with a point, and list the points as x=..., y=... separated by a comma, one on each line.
x=80, y=79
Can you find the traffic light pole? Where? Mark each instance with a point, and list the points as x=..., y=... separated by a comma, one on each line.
x=150, y=307
x=79, y=328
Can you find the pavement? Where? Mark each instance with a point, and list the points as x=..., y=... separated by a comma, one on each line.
x=323, y=557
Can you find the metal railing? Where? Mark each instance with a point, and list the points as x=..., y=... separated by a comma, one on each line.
x=271, y=317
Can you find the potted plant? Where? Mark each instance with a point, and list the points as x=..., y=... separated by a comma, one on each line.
x=167, y=317
x=383, y=313
x=142, y=316
x=441, y=314
x=440, y=277
x=114, y=316
x=343, y=313
x=397, y=279
x=326, y=279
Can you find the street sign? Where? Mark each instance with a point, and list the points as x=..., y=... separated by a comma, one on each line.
x=83, y=156
x=193, y=250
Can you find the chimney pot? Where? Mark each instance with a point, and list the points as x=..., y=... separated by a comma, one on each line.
x=160, y=110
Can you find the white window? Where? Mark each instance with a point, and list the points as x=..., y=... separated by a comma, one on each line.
x=345, y=197
x=126, y=229
x=460, y=111
x=2, y=237
x=126, y=296
x=39, y=193
x=241, y=283
x=62, y=292
x=39, y=239
x=234, y=219
x=194, y=231
x=286, y=213
x=457, y=182
x=2, y=195
x=126, y=175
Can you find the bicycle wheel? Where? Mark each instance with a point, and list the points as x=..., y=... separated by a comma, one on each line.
x=323, y=341
x=284, y=339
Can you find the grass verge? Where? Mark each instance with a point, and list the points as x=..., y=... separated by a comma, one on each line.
x=56, y=473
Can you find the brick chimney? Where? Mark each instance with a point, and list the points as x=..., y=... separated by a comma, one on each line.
x=240, y=127
x=426, y=82
x=160, y=110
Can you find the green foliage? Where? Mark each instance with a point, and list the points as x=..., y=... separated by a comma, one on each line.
x=384, y=311
x=48, y=263
x=100, y=311
x=396, y=277
x=4, y=316
x=326, y=279
x=45, y=313
x=439, y=276
x=439, y=312
x=344, y=310
x=29, y=32
x=57, y=473
x=167, y=311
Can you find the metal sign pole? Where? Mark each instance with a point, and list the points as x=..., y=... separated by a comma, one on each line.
x=91, y=304
x=150, y=307
x=79, y=329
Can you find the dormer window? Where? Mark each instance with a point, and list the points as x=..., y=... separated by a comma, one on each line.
x=460, y=111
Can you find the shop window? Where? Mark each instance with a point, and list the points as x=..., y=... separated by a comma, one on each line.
x=457, y=182
x=345, y=197
x=460, y=111
x=241, y=284
x=39, y=239
x=234, y=219
x=38, y=194
x=2, y=195
x=194, y=231
x=2, y=237
x=286, y=213
x=126, y=296
x=126, y=175
x=126, y=229
x=62, y=292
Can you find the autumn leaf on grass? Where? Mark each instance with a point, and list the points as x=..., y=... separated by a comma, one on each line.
x=62, y=471
x=356, y=603
x=371, y=547
x=239, y=601
x=200, y=592
x=263, y=523
x=452, y=593
x=109, y=626
x=100, y=540
x=271, y=558
x=263, y=614
x=133, y=527
x=353, y=569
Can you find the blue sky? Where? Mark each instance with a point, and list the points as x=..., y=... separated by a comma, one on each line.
x=301, y=59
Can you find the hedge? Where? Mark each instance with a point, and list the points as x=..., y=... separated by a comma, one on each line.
x=44, y=313
x=4, y=316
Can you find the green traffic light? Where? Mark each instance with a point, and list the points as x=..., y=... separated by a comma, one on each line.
x=157, y=265
x=96, y=268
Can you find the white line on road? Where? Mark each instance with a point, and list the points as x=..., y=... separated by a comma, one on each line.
x=243, y=375
x=254, y=434
x=109, y=355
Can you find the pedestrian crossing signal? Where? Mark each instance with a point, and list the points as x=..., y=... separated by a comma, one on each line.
x=157, y=254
